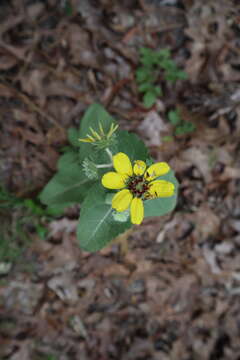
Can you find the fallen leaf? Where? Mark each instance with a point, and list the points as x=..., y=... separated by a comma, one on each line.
x=153, y=127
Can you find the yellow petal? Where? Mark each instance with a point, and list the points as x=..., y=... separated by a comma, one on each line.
x=101, y=129
x=88, y=139
x=155, y=170
x=122, y=164
x=161, y=188
x=113, y=180
x=137, y=211
x=97, y=136
x=139, y=167
x=122, y=200
x=113, y=128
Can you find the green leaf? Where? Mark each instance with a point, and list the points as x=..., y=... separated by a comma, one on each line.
x=144, y=74
x=147, y=56
x=68, y=8
x=8, y=200
x=162, y=206
x=131, y=145
x=144, y=51
x=174, y=117
x=73, y=137
x=69, y=158
x=97, y=227
x=56, y=210
x=146, y=87
x=190, y=126
x=149, y=99
x=172, y=74
x=149, y=87
x=182, y=75
x=158, y=90
x=69, y=185
x=34, y=207
x=41, y=231
x=167, y=138
x=164, y=54
x=186, y=128
x=94, y=115
x=170, y=77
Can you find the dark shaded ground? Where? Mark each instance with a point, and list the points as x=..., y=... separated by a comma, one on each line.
x=175, y=294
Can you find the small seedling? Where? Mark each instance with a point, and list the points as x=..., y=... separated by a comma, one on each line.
x=181, y=127
x=156, y=66
x=67, y=6
x=18, y=216
x=45, y=357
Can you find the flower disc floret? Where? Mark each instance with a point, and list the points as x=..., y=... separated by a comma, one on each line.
x=136, y=184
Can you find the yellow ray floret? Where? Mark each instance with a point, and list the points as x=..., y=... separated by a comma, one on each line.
x=155, y=170
x=161, y=188
x=122, y=164
x=113, y=180
x=137, y=211
x=122, y=200
x=139, y=167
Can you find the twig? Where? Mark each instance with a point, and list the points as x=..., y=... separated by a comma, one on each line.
x=33, y=106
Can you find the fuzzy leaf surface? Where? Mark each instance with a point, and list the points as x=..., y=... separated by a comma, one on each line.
x=69, y=158
x=97, y=226
x=70, y=185
x=131, y=145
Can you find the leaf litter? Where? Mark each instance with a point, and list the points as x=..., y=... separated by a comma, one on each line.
x=175, y=293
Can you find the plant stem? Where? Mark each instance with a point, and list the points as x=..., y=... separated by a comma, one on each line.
x=109, y=153
x=104, y=166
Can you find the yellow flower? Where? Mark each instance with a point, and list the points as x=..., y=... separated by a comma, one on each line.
x=136, y=184
x=100, y=136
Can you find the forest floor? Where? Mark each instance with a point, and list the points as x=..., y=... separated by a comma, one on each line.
x=175, y=294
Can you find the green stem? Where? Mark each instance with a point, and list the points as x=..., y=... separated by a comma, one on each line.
x=109, y=153
x=103, y=166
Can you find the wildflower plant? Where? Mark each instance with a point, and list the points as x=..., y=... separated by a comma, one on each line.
x=109, y=172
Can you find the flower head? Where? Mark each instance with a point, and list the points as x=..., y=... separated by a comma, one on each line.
x=100, y=138
x=136, y=184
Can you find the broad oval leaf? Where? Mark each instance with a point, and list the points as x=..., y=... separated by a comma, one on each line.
x=69, y=158
x=73, y=137
x=131, y=145
x=97, y=226
x=69, y=185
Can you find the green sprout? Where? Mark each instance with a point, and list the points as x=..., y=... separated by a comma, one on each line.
x=153, y=65
x=181, y=127
x=15, y=228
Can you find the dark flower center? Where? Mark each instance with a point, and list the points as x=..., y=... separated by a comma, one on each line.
x=138, y=185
